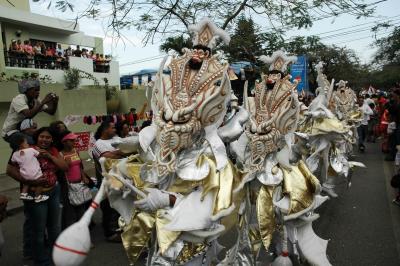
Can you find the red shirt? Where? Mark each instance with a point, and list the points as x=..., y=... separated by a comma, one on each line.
x=48, y=167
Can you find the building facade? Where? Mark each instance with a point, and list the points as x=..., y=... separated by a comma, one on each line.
x=17, y=23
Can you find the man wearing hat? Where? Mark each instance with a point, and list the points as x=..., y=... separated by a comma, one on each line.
x=26, y=105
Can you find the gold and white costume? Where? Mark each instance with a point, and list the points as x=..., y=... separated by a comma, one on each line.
x=284, y=191
x=182, y=155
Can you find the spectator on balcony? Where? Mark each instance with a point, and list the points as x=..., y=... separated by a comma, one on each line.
x=92, y=55
x=60, y=61
x=28, y=50
x=84, y=53
x=13, y=53
x=20, y=46
x=78, y=51
x=50, y=54
x=37, y=49
x=100, y=63
x=68, y=52
x=59, y=50
x=43, y=48
x=26, y=105
x=20, y=54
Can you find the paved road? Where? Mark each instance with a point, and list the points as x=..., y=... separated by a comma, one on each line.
x=363, y=225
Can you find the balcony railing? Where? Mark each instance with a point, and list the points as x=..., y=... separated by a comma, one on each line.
x=101, y=66
x=15, y=59
x=22, y=60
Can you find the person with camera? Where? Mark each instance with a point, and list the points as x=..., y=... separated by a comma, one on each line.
x=26, y=105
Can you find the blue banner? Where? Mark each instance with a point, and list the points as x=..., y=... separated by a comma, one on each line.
x=298, y=71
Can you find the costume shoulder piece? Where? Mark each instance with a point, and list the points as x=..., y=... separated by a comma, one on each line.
x=192, y=97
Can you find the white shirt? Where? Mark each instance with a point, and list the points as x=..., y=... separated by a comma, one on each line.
x=104, y=145
x=15, y=115
x=367, y=111
x=29, y=166
x=60, y=50
x=369, y=101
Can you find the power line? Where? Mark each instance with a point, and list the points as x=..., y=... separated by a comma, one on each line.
x=361, y=24
x=353, y=31
x=336, y=13
x=143, y=60
x=362, y=38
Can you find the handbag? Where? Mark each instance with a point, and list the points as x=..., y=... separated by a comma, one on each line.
x=78, y=193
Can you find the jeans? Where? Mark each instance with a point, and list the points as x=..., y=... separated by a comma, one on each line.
x=109, y=218
x=362, y=132
x=45, y=217
x=72, y=214
x=27, y=233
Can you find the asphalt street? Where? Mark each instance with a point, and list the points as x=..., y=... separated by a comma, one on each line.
x=362, y=224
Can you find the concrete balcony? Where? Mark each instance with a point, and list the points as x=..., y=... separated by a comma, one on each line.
x=109, y=70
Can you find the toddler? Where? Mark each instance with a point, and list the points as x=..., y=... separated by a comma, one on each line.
x=29, y=168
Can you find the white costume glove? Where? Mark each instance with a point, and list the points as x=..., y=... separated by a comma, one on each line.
x=156, y=199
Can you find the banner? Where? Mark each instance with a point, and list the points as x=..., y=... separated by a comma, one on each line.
x=82, y=142
x=298, y=71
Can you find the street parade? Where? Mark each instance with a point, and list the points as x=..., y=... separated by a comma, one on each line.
x=227, y=157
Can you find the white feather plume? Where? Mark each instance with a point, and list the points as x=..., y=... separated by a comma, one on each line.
x=275, y=55
x=217, y=32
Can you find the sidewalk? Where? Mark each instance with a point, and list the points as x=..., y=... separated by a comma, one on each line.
x=10, y=188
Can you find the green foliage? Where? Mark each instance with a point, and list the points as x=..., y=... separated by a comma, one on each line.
x=73, y=77
x=176, y=44
x=389, y=48
x=155, y=18
x=111, y=91
x=25, y=75
x=246, y=42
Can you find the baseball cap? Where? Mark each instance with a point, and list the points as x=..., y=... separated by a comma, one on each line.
x=69, y=136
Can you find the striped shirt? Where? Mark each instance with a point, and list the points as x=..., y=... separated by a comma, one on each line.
x=104, y=145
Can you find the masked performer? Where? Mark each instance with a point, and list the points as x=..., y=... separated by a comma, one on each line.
x=185, y=173
x=327, y=138
x=285, y=193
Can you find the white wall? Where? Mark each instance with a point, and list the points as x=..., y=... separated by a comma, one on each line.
x=87, y=65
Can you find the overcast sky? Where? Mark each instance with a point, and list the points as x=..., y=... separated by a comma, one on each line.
x=360, y=40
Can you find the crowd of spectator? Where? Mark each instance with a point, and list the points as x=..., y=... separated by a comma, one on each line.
x=50, y=170
x=51, y=56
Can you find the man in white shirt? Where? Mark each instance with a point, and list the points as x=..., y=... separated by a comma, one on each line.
x=105, y=136
x=59, y=50
x=26, y=105
x=362, y=130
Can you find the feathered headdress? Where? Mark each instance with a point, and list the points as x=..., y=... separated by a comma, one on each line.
x=206, y=33
x=341, y=83
x=278, y=60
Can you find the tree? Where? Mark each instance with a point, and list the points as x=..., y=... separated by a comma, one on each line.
x=246, y=42
x=340, y=63
x=389, y=48
x=387, y=60
x=176, y=44
x=159, y=17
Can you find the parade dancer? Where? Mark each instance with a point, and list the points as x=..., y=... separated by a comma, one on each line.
x=283, y=193
x=175, y=190
x=326, y=136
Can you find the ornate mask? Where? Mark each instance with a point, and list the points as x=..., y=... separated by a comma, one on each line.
x=188, y=100
x=273, y=112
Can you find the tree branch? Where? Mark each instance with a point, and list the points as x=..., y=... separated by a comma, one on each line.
x=235, y=14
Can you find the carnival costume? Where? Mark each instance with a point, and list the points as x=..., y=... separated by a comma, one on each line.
x=285, y=192
x=327, y=138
